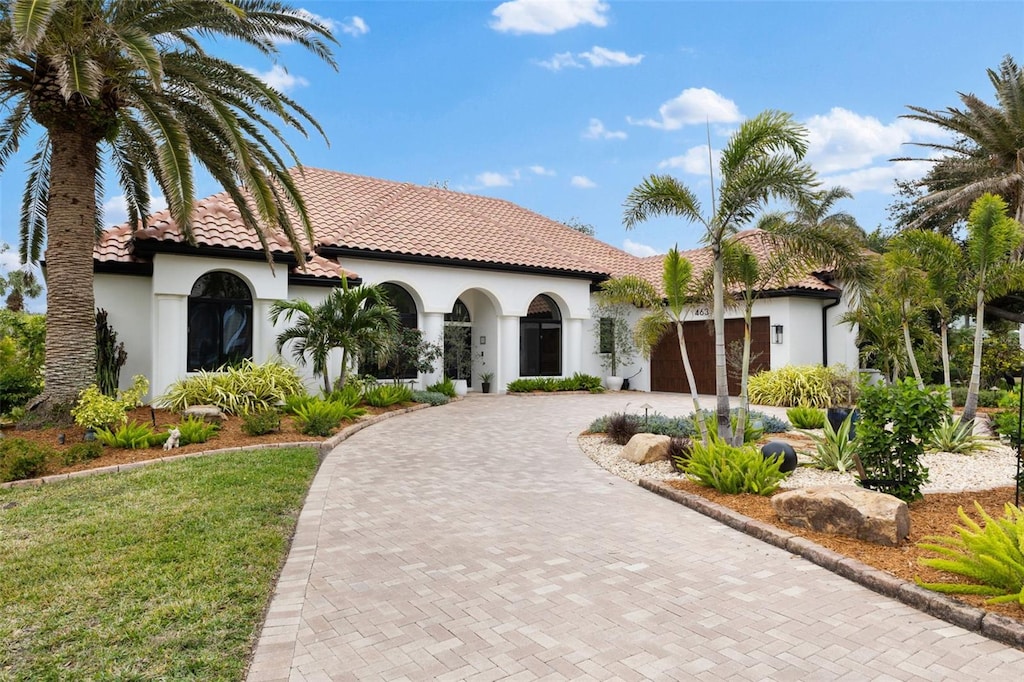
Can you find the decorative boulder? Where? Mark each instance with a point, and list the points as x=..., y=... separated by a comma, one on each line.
x=210, y=414
x=644, y=448
x=779, y=448
x=846, y=510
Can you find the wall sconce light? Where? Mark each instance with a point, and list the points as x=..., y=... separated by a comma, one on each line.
x=483, y=340
x=776, y=333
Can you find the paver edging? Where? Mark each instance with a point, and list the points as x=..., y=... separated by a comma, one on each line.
x=992, y=625
x=323, y=447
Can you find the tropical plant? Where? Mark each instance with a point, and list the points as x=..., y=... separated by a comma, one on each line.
x=806, y=385
x=677, y=285
x=132, y=435
x=955, y=435
x=445, y=387
x=804, y=417
x=890, y=447
x=387, y=395
x=992, y=240
x=131, y=82
x=19, y=285
x=620, y=427
x=410, y=354
x=990, y=556
x=357, y=320
x=196, y=430
x=110, y=355
x=985, y=154
x=261, y=422
x=321, y=417
x=235, y=390
x=733, y=469
x=834, y=451
x=762, y=160
x=94, y=409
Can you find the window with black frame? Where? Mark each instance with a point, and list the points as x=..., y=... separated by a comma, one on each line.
x=540, y=339
x=400, y=367
x=219, y=322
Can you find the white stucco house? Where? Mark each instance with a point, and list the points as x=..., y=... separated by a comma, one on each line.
x=519, y=282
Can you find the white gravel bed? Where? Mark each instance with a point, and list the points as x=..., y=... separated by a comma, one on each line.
x=948, y=472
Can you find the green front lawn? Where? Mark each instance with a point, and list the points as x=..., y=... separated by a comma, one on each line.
x=160, y=573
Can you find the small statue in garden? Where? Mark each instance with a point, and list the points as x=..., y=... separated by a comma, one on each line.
x=172, y=439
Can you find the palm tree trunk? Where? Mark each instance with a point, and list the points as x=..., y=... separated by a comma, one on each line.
x=721, y=378
x=910, y=354
x=70, y=236
x=344, y=364
x=697, y=417
x=971, y=403
x=741, y=418
x=944, y=341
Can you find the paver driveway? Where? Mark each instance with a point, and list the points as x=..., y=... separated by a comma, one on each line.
x=476, y=542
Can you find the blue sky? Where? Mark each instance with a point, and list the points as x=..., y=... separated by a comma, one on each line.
x=564, y=106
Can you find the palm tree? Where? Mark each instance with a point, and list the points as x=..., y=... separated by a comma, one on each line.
x=762, y=160
x=987, y=154
x=20, y=284
x=879, y=334
x=906, y=283
x=992, y=239
x=130, y=81
x=355, y=320
x=677, y=281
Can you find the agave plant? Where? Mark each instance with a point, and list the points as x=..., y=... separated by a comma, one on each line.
x=834, y=451
x=957, y=436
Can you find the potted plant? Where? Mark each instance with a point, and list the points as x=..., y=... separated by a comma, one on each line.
x=843, y=403
x=485, y=381
x=614, y=339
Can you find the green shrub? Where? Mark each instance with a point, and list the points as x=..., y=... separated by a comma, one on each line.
x=834, y=451
x=260, y=422
x=657, y=423
x=804, y=417
x=994, y=397
x=321, y=417
x=196, y=430
x=133, y=435
x=892, y=420
x=577, y=382
x=82, y=452
x=387, y=395
x=810, y=385
x=19, y=383
x=95, y=410
x=351, y=392
x=21, y=459
x=297, y=400
x=952, y=435
x=235, y=390
x=429, y=397
x=733, y=470
x=990, y=556
x=445, y=387
x=1005, y=423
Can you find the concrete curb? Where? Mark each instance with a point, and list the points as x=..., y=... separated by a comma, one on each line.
x=323, y=447
x=994, y=626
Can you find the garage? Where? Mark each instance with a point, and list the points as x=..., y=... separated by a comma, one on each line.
x=667, y=373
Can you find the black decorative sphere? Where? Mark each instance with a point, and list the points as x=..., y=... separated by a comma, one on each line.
x=777, y=448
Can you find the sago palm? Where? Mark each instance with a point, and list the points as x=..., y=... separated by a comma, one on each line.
x=131, y=82
x=761, y=161
x=352, y=320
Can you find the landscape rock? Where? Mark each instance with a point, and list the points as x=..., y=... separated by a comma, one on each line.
x=210, y=414
x=846, y=510
x=645, y=448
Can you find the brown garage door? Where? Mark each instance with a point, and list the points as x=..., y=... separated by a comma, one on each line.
x=667, y=373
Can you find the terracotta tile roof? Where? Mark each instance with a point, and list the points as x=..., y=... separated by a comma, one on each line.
x=352, y=213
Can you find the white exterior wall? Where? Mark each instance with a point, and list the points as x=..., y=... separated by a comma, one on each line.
x=128, y=300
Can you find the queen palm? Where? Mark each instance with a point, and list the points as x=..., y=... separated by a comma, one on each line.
x=129, y=83
x=352, y=320
x=762, y=160
x=987, y=152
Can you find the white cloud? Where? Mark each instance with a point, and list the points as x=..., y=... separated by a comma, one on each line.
x=878, y=178
x=354, y=26
x=694, y=161
x=597, y=57
x=547, y=16
x=541, y=170
x=115, y=209
x=602, y=56
x=638, y=249
x=596, y=131
x=562, y=60
x=582, y=182
x=492, y=179
x=9, y=260
x=693, y=105
x=279, y=78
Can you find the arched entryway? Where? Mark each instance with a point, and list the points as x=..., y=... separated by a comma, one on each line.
x=540, y=339
x=219, y=322
x=458, y=343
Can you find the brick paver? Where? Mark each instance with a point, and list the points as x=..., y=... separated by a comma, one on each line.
x=476, y=542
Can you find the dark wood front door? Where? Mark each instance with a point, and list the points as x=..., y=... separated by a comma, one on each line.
x=667, y=373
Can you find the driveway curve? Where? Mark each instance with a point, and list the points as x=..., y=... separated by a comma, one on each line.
x=476, y=542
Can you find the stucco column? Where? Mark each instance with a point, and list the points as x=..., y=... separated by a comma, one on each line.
x=264, y=336
x=508, y=351
x=170, y=333
x=572, y=346
x=432, y=326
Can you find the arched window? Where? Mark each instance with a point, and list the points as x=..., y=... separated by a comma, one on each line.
x=458, y=343
x=400, y=366
x=219, y=322
x=540, y=339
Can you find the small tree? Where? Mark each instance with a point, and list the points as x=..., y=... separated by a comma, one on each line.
x=613, y=334
x=410, y=352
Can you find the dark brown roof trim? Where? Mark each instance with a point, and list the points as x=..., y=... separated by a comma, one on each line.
x=312, y=281
x=341, y=252
x=146, y=247
x=143, y=269
x=801, y=293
